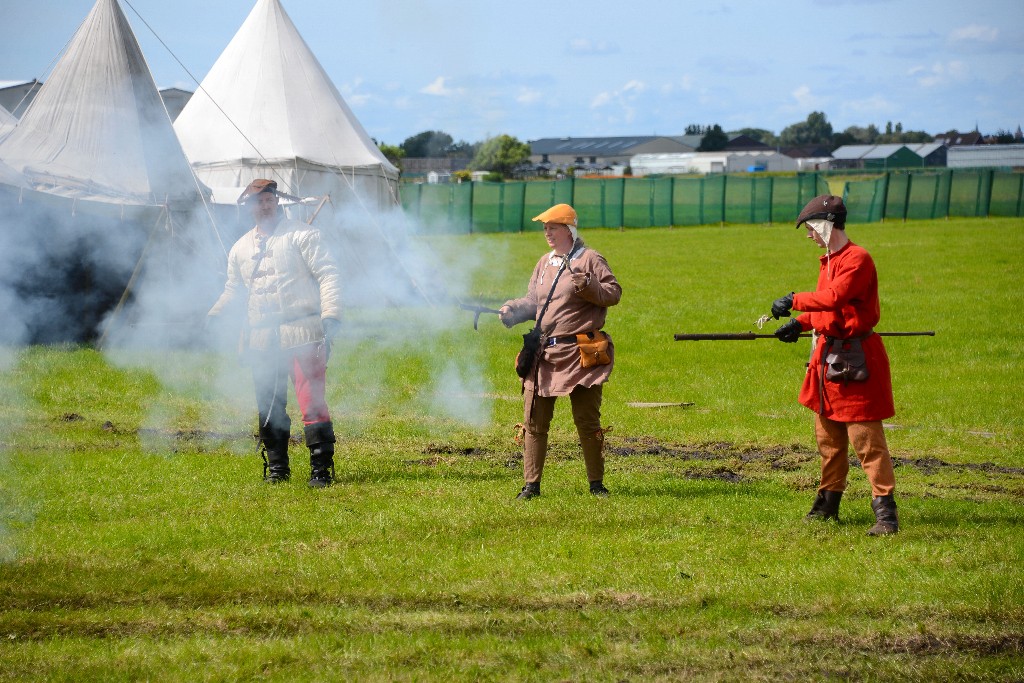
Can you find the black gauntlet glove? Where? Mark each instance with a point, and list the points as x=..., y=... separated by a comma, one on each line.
x=789, y=332
x=782, y=306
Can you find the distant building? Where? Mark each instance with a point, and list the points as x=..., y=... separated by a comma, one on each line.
x=955, y=139
x=745, y=143
x=1003, y=156
x=15, y=96
x=175, y=100
x=599, y=153
x=876, y=157
x=711, y=162
x=417, y=168
x=809, y=157
x=933, y=153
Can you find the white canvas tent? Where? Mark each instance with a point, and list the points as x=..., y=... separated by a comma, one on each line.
x=98, y=129
x=7, y=122
x=268, y=109
x=96, y=195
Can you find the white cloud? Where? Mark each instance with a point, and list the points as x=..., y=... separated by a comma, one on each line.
x=939, y=74
x=975, y=32
x=685, y=84
x=584, y=46
x=806, y=99
x=600, y=100
x=628, y=93
x=439, y=88
x=528, y=96
x=867, y=109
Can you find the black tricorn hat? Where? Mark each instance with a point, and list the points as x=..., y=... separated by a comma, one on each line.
x=825, y=206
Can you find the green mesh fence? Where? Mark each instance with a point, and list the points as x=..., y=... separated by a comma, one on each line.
x=968, y=193
x=1007, y=194
x=720, y=198
x=541, y=196
x=865, y=200
x=646, y=202
x=439, y=209
x=789, y=194
x=598, y=203
x=498, y=207
x=687, y=201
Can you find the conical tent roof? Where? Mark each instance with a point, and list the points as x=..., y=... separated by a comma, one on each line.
x=268, y=108
x=98, y=128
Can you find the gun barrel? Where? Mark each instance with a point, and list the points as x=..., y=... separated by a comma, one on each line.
x=750, y=336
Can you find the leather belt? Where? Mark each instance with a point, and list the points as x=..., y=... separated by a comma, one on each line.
x=561, y=340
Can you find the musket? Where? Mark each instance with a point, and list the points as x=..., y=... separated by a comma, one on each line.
x=749, y=336
x=477, y=310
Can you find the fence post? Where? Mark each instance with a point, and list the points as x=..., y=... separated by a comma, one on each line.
x=987, y=197
x=906, y=196
x=1020, y=193
x=725, y=192
x=885, y=196
x=672, y=202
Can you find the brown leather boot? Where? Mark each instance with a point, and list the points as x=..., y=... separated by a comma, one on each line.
x=825, y=507
x=886, y=520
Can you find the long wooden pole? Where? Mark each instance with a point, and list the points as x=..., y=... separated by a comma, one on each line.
x=749, y=336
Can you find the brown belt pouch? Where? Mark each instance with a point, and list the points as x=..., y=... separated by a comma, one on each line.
x=593, y=349
x=845, y=362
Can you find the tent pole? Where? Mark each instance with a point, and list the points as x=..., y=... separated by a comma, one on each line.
x=326, y=198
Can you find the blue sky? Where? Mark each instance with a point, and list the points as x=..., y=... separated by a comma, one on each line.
x=550, y=68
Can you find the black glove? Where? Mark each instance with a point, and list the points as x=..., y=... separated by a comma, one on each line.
x=789, y=332
x=782, y=306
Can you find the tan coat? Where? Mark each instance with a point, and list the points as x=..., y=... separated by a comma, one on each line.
x=289, y=289
x=569, y=313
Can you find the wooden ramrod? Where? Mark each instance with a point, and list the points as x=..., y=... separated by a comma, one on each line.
x=749, y=336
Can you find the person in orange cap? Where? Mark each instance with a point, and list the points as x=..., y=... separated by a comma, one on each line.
x=292, y=290
x=849, y=396
x=568, y=297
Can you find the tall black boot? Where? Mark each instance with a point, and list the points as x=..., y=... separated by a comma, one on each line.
x=320, y=440
x=825, y=507
x=886, y=520
x=275, y=454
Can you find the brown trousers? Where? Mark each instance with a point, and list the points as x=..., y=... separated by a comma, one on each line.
x=868, y=439
x=586, y=413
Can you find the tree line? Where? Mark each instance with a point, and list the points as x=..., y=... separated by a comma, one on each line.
x=502, y=154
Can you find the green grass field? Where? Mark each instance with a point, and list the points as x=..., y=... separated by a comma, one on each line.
x=137, y=540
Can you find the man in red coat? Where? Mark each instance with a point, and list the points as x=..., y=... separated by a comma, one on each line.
x=849, y=408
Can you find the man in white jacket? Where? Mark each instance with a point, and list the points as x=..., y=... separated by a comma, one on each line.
x=293, y=301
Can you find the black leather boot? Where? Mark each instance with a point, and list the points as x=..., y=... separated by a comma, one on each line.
x=275, y=454
x=886, y=520
x=825, y=507
x=320, y=440
x=530, y=490
x=597, y=488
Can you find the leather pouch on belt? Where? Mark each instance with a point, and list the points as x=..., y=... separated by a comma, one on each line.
x=593, y=349
x=845, y=362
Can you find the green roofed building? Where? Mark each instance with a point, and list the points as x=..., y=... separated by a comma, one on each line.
x=877, y=157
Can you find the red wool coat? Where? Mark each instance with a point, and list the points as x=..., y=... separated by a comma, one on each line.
x=845, y=305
